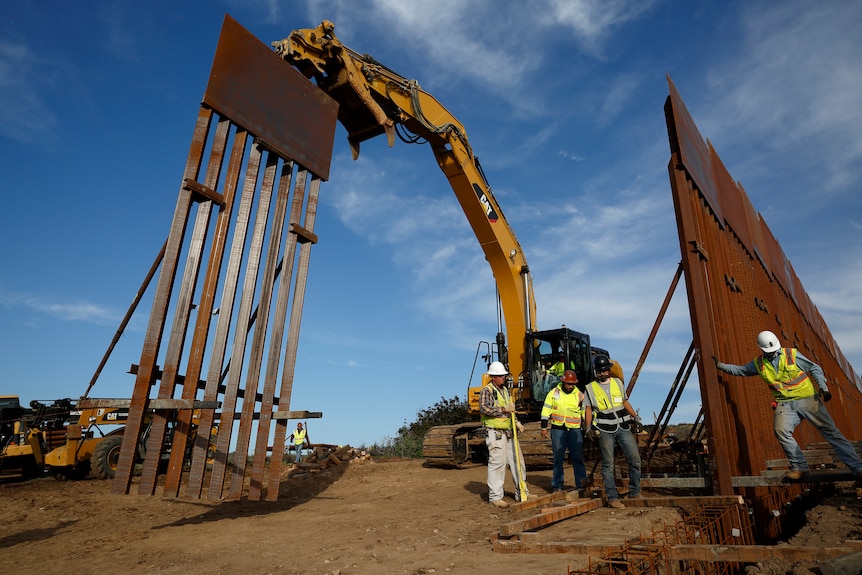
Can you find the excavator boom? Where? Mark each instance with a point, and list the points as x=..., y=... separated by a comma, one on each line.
x=374, y=100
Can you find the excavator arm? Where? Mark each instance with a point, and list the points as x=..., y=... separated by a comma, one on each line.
x=374, y=100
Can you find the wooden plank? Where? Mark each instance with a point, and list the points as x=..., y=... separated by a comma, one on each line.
x=753, y=553
x=674, y=482
x=548, y=517
x=773, y=478
x=297, y=414
x=570, y=547
x=541, y=501
x=687, y=501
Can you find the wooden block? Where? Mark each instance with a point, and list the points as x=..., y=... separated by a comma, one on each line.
x=530, y=547
x=549, y=516
x=684, y=501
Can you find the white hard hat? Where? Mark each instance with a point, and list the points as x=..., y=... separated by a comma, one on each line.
x=497, y=368
x=768, y=342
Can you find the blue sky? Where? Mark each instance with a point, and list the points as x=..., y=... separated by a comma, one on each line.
x=563, y=104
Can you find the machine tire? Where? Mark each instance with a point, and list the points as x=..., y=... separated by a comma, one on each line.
x=105, y=457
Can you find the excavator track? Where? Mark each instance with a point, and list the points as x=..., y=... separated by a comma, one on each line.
x=537, y=452
x=454, y=445
x=464, y=444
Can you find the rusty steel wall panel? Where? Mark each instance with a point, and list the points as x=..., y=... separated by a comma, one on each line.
x=250, y=246
x=739, y=282
x=155, y=325
x=264, y=94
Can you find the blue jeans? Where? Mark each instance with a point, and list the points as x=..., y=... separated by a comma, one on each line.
x=789, y=414
x=629, y=446
x=298, y=457
x=571, y=439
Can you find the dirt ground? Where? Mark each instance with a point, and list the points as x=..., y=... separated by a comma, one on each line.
x=395, y=517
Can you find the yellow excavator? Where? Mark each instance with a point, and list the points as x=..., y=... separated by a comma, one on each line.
x=374, y=100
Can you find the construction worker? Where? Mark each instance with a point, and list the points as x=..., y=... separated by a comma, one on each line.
x=559, y=368
x=563, y=409
x=789, y=376
x=610, y=418
x=299, y=438
x=497, y=409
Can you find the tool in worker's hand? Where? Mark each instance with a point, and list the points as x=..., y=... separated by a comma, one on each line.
x=522, y=484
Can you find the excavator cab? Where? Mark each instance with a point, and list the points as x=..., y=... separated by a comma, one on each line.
x=551, y=352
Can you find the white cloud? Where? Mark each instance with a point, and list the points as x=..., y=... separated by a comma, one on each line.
x=793, y=88
x=428, y=238
x=593, y=21
x=24, y=114
x=473, y=42
x=64, y=311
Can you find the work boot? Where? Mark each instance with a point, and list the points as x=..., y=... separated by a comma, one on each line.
x=616, y=504
x=794, y=474
x=499, y=503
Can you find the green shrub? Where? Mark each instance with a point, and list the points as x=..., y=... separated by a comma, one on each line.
x=408, y=441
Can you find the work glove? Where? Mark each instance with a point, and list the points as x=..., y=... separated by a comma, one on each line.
x=519, y=426
x=827, y=395
x=595, y=433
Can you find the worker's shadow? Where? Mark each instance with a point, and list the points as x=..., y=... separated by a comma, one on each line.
x=533, y=480
x=32, y=535
x=292, y=491
x=476, y=487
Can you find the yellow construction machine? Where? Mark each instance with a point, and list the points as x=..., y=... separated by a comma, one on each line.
x=62, y=440
x=374, y=100
x=56, y=438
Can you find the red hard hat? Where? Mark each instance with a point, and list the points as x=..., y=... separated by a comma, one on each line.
x=569, y=376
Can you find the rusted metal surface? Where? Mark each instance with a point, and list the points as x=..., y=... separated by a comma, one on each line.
x=739, y=282
x=246, y=231
x=692, y=545
x=161, y=300
x=269, y=98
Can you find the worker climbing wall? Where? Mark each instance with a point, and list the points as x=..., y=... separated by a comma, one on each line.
x=740, y=282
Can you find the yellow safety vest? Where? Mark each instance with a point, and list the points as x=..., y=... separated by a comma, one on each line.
x=564, y=409
x=789, y=382
x=611, y=411
x=501, y=399
x=299, y=437
x=559, y=368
